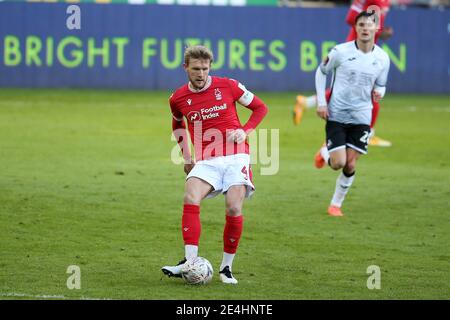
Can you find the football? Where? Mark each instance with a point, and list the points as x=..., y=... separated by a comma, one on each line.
x=197, y=271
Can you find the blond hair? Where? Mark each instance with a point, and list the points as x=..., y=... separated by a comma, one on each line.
x=197, y=52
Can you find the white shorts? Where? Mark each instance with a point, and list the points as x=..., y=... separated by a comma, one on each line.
x=224, y=172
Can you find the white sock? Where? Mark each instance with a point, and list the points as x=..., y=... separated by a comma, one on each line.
x=191, y=251
x=227, y=260
x=311, y=102
x=343, y=184
x=372, y=133
x=325, y=154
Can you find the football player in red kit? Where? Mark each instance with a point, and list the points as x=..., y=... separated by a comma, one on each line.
x=222, y=163
x=384, y=33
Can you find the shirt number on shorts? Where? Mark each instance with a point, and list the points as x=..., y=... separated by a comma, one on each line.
x=365, y=137
x=245, y=172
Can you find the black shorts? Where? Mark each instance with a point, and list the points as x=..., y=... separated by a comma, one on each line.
x=341, y=135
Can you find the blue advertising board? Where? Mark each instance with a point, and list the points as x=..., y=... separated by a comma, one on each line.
x=266, y=48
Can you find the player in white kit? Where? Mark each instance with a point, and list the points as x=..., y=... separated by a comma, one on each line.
x=360, y=70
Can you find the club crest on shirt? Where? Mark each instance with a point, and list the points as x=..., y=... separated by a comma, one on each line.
x=218, y=94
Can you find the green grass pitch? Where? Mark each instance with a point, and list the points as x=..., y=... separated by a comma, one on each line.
x=86, y=179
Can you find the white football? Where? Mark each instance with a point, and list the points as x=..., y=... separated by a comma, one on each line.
x=197, y=271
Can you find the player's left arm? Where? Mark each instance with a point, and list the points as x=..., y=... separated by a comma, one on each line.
x=379, y=89
x=259, y=110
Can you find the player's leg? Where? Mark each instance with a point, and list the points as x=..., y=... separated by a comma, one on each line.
x=196, y=190
x=302, y=103
x=237, y=185
x=234, y=200
x=333, y=151
x=356, y=142
x=374, y=139
x=338, y=157
x=343, y=183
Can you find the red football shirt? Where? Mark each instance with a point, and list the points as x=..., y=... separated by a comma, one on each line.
x=362, y=5
x=210, y=112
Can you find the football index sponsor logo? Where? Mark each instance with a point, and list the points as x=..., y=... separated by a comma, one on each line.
x=213, y=112
x=206, y=113
x=194, y=116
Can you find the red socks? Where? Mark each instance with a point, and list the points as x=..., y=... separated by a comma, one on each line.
x=191, y=228
x=232, y=233
x=190, y=224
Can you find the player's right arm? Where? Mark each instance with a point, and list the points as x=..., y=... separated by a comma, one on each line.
x=180, y=133
x=330, y=63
